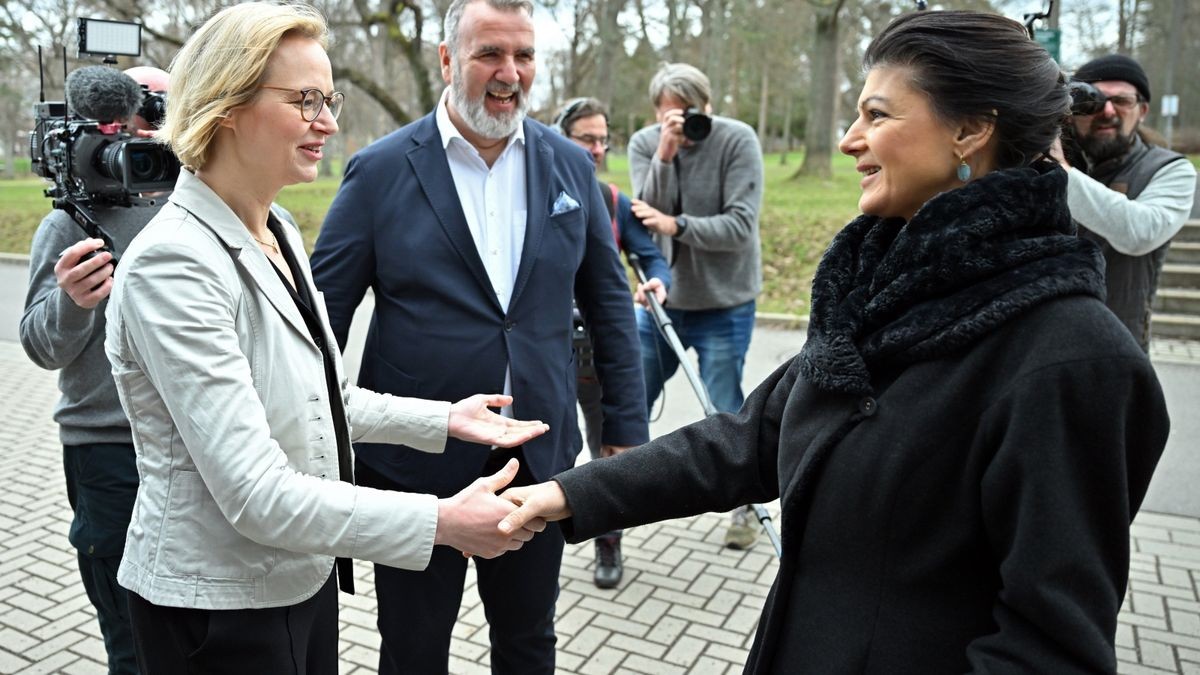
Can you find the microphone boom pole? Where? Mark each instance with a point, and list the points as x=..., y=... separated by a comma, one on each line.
x=667, y=330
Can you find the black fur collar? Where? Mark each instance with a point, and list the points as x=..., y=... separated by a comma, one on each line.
x=889, y=293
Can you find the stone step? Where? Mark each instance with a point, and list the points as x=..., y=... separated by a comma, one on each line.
x=1187, y=252
x=1179, y=275
x=1190, y=232
x=1177, y=301
x=1177, y=326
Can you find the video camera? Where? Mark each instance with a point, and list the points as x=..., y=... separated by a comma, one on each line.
x=80, y=145
x=95, y=162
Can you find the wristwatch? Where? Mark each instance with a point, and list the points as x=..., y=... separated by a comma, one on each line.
x=680, y=226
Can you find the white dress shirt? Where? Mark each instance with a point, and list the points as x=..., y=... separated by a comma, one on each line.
x=494, y=202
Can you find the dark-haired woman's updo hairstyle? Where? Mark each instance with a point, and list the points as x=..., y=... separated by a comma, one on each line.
x=972, y=65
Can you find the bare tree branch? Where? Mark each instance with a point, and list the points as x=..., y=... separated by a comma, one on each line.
x=376, y=92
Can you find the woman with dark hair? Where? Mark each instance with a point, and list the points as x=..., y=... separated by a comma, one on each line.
x=967, y=433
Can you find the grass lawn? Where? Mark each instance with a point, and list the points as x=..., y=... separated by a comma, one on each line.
x=799, y=217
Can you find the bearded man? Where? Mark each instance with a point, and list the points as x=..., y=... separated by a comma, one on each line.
x=475, y=227
x=1131, y=196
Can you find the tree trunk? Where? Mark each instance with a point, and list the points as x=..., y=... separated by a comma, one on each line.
x=818, y=134
x=729, y=105
x=10, y=166
x=763, y=108
x=414, y=53
x=608, y=34
x=372, y=89
x=715, y=34
x=787, y=132
x=673, y=21
x=643, y=25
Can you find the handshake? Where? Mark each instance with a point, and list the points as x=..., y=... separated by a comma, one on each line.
x=477, y=521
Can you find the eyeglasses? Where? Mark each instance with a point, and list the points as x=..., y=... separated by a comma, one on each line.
x=313, y=100
x=588, y=140
x=1124, y=102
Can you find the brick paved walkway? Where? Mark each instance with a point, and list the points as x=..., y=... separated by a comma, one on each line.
x=687, y=605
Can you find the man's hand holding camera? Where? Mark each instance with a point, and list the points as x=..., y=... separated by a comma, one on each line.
x=89, y=281
x=671, y=136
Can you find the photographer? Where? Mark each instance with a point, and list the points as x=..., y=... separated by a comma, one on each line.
x=585, y=122
x=699, y=181
x=63, y=329
x=1131, y=196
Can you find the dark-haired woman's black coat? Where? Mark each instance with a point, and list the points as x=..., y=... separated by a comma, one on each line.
x=957, y=499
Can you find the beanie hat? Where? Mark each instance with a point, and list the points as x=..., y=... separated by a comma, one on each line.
x=1115, y=67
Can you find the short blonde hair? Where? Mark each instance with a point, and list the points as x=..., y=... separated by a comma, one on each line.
x=221, y=66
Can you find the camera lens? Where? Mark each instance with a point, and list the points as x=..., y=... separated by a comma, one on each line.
x=153, y=109
x=145, y=165
x=111, y=160
x=696, y=125
x=1085, y=99
x=139, y=164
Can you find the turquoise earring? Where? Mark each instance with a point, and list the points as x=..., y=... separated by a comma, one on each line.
x=964, y=170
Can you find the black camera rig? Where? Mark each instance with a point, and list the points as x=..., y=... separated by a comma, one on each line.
x=91, y=164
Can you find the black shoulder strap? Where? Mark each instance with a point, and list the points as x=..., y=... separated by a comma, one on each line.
x=611, y=201
x=610, y=189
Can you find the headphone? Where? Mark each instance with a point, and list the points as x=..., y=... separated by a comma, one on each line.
x=568, y=112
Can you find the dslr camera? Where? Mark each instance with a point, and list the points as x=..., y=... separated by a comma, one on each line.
x=696, y=125
x=1085, y=100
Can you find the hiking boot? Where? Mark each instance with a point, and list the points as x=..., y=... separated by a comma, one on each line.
x=608, y=561
x=743, y=529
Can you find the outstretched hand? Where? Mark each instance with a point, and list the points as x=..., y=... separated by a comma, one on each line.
x=541, y=502
x=468, y=520
x=470, y=420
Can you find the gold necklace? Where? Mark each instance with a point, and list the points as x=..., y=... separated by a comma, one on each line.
x=273, y=244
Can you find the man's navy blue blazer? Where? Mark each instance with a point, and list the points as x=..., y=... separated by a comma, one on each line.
x=438, y=331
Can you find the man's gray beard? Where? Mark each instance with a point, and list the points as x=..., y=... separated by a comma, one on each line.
x=1102, y=149
x=476, y=115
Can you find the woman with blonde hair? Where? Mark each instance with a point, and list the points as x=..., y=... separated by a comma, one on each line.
x=225, y=364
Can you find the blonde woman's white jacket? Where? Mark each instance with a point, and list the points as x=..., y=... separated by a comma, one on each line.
x=239, y=503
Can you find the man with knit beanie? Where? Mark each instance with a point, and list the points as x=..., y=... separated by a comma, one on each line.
x=1130, y=196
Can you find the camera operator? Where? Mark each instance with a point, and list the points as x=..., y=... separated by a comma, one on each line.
x=699, y=182
x=585, y=121
x=1131, y=197
x=63, y=329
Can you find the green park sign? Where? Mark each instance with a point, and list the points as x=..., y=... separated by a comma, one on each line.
x=1051, y=39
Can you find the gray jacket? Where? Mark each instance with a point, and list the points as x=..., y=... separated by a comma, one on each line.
x=718, y=185
x=59, y=335
x=240, y=504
